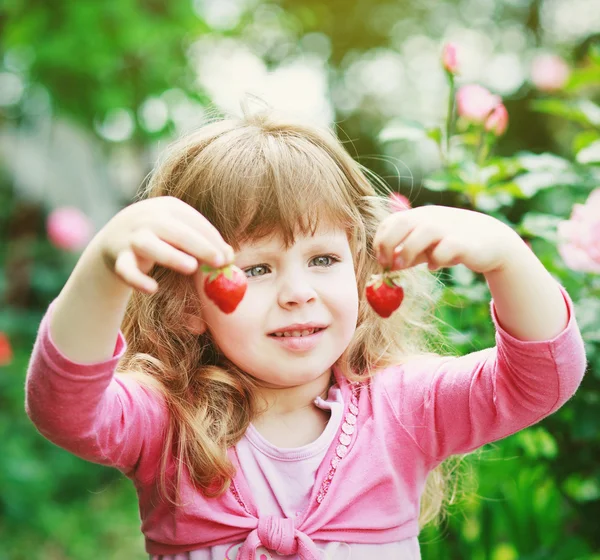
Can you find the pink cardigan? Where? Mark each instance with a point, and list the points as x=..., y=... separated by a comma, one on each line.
x=397, y=427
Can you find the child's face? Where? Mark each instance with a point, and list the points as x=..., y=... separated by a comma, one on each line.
x=311, y=282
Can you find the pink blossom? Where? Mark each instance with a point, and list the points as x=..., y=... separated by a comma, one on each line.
x=6, y=353
x=450, y=58
x=68, y=228
x=549, y=72
x=398, y=202
x=497, y=122
x=475, y=103
x=579, y=237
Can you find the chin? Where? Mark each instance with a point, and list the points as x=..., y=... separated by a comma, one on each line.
x=292, y=378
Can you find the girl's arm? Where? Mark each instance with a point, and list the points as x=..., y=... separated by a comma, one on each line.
x=88, y=313
x=91, y=306
x=91, y=412
x=527, y=299
x=453, y=405
x=72, y=394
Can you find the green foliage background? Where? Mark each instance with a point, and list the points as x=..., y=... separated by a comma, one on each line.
x=535, y=495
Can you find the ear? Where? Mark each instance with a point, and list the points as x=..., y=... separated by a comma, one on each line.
x=195, y=323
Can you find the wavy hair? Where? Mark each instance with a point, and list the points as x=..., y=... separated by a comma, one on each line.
x=251, y=177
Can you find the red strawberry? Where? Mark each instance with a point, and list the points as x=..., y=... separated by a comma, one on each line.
x=384, y=293
x=225, y=286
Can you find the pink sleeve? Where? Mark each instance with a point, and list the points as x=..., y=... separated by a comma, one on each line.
x=87, y=410
x=454, y=405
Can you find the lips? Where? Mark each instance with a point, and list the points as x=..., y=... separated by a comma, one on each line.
x=298, y=328
x=296, y=333
x=299, y=343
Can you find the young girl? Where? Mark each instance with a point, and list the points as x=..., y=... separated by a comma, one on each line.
x=301, y=424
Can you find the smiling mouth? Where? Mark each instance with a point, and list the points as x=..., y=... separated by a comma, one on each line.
x=296, y=334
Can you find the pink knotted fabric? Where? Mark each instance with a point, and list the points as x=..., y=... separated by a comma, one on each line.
x=279, y=535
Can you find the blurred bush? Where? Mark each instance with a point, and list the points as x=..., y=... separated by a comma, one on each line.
x=539, y=491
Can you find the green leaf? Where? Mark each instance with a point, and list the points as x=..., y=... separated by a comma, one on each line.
x=588, y=312
x=437, y=184
x=403, y=130
x=444, y=181
x=594, y=53
x=435, y=134
x=545, y=161
x=582, y=78
x=591, y=111
x=589, y=154
x=510, y=188
x=537, y=443
x=499, y=170
x=487, y=202
x=544, y=171
x=540, y=225
x=583, y=111
x=531, y=183
x=582, y=489
x=584, y=139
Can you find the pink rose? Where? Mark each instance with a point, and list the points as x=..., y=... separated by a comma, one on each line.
x=450, y=58
x=475, y=103
x=497, y=122
x=579, y=237
x=398, y=202
x=549, y=72
x=69, y=229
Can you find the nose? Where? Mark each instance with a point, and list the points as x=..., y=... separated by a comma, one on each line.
x=295, y=289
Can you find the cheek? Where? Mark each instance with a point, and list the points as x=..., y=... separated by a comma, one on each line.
x=229, y=334
x=351, y=306
x=348, y=282
x=345, y=294
x=231, y=330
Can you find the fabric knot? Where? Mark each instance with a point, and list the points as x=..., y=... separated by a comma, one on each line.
x=281, y=536
x=278, y=534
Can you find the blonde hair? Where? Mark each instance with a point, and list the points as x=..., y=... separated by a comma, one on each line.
x=251, y=177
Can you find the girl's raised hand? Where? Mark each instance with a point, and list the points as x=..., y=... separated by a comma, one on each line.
x=441, y=237
x=164, y=231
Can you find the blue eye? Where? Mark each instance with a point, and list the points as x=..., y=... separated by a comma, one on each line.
x=249, y=271
x=332, y=260
x=323, y=261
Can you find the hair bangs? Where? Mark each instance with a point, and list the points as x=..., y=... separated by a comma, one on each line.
x=271, y=182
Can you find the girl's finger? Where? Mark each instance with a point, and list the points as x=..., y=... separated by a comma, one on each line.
x=391, y=232
x=149, y=246
x=448, y=252
x=412, y=250
x=126, y=267
x=197, y=222
x=191, y=241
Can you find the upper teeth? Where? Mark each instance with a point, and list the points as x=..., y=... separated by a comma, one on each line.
x=296, y=333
